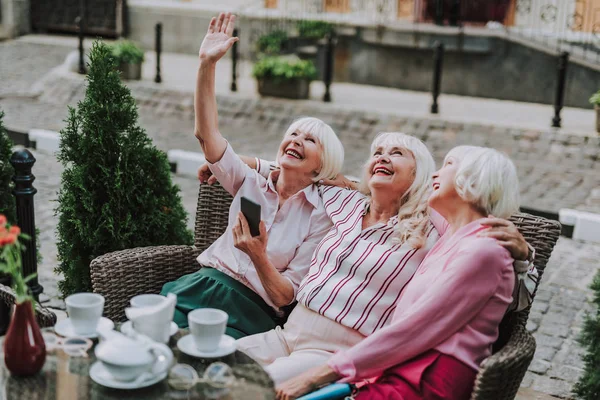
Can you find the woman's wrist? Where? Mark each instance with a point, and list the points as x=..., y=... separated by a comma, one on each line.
x=323, y=375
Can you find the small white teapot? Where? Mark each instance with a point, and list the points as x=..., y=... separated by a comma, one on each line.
x=129, y=360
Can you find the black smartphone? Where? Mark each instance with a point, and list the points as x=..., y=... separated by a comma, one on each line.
x=251, y=211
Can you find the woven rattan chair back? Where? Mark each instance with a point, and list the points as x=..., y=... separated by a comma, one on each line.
x=45, y=318
x=212, y=214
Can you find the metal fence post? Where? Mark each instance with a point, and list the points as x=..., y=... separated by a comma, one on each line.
x=328, y=73
x=438, y=59
x=22, y=161
x=80, y=20
x=158, y=48
x=234, y=60
x=454, y=14
x=563, y=61
x=439, y=12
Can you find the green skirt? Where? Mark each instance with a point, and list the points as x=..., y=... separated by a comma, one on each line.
x=210, y=288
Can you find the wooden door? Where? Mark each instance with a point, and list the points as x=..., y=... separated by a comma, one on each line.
x=336, y=6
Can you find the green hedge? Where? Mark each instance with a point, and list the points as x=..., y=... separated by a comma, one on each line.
x=7, y=199
x=588, y=387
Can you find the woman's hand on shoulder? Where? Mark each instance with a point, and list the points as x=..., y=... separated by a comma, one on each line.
x=340, y=181
x=507, y=235
x=218, y=39
x=205, y=175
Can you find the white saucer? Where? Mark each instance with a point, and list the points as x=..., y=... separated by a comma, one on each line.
x=126, y=327
x=226, y=347
x=65, y=328
x=101, y=376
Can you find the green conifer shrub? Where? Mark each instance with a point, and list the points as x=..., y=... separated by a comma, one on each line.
x=116, y=190
x=7, y=199
x=588, y=387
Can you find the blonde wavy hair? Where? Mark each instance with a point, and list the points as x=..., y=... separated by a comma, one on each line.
x=413, y=215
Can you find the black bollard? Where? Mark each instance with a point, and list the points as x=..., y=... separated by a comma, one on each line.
x=158, y=46
x=328, y=73
x=563, y=61
x=22, y=161
x=438, y=59
x=439, y=12
x=234, y=58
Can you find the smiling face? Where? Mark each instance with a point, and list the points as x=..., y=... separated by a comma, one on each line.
x=391, y=167
x=444, y=187
x=301, y=152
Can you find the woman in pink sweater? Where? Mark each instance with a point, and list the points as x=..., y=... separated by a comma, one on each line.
x=447, y=317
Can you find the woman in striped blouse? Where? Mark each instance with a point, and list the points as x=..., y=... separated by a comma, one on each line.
x=447, y=317
x=357, y=273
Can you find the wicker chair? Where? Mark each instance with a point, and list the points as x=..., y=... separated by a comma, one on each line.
x=45, y=318
x=123, y=274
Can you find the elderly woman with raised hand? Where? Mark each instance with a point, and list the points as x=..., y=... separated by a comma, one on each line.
x=447, y=318
x=251, y=278
x=360, y=268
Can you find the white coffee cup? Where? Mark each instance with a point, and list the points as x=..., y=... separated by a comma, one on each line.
x=157, y=328
x=146, y=300
x=207, y=326
x=85, y=311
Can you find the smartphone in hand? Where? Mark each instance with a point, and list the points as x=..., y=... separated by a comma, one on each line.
x=251, y=211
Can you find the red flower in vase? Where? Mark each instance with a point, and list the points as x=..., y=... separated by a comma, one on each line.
x=24, y=348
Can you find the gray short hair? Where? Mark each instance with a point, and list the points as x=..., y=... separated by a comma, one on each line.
x=332, y=158
x=487, y=179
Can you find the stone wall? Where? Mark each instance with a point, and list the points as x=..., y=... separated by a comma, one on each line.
x=473, y=66
x=14, y=18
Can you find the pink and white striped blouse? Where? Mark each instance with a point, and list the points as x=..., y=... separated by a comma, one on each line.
x=356, y=275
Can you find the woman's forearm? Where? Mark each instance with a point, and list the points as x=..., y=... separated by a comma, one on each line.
x=279, y=289
x=206, y=114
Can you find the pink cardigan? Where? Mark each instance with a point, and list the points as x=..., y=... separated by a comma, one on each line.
x=453, y=304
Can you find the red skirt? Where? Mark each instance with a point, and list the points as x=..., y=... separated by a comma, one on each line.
x=430, y=376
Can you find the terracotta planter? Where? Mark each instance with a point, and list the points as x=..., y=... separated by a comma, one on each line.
x=24, y=348
x=289, y=89
x=597, y=108
x=131, y=71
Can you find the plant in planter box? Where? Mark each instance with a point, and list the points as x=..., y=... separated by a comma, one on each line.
x=287, y=77
x=314, y=29
x=595, y=100
x=129, y=58
x=272, y=43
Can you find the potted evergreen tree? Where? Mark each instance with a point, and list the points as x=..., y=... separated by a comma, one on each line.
x=116, y=190
x=129, y=58
x=595, y=100
x=287, y=77
x=588, y=387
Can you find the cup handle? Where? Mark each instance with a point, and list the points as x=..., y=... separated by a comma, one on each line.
x=164, y=358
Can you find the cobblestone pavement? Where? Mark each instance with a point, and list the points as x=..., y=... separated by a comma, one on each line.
x=556, y=171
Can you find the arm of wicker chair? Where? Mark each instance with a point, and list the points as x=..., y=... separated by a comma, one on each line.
x=45, y=318
x=500, y=375
x=120, y=275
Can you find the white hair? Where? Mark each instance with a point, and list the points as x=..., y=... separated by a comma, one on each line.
x=332, y=157
x=413, y=215
x=487, y=179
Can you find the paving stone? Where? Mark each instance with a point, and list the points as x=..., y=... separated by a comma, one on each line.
x=539, y=366
x=554, y=387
